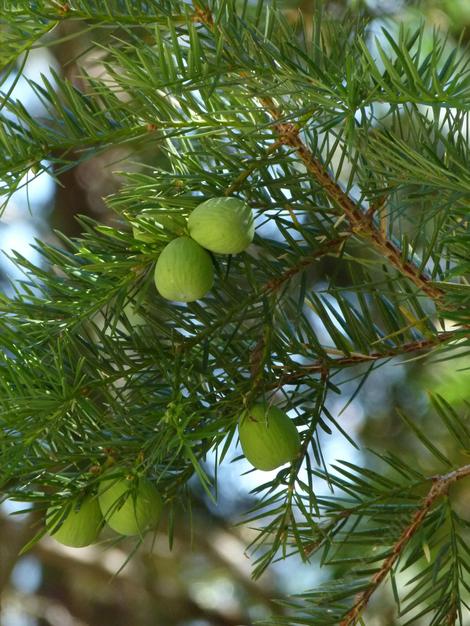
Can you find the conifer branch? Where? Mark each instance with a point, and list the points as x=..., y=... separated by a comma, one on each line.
x=240, y=179
x=92, y=355
x=268, y=288
x=202, y=14
x=331, y=246
x=440, y=487
x=361, y=223
x=356, y=359
x=64, y=11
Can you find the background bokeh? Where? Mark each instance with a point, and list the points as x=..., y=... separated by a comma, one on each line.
x=205, y=579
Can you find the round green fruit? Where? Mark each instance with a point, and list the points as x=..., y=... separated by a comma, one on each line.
x=222, y=225
x=184, y=271
x=130, y=507
x=268, y=437
x=80, y=526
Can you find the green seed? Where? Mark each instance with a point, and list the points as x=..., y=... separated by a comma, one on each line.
x=184, y=271
x=268, y=437
x=222, y=225
x=79, y=527
x=130, y=507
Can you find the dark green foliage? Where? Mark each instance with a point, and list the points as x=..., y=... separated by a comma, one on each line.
x=83, y=385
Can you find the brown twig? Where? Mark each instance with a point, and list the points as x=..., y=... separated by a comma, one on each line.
x=359, y=220
x=440, y=487
x=355, y=359
x=361, y=223
x=378, y=205
x=203, y=15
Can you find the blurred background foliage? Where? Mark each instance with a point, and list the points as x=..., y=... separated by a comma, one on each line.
x=205, y=579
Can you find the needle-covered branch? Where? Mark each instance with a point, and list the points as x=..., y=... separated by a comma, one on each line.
x=440, y=487
x=360, y=221
x=421, y=345
x=348, y=161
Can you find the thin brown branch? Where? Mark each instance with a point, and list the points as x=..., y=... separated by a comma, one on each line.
x=355, y=359
x=261, y=351
x=378, y=205
x=453, y=613
x=440, y=487
x=360, y=222
x=203, y=15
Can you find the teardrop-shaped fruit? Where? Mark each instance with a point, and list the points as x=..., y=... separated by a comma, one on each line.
x=184, y=271
x=222, y=225
x=129, y=507
x=79, y=527
x=268, y=437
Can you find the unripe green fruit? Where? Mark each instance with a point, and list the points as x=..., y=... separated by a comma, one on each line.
x=184, y=271
x=80, y=527
x=222, y=225
x=268, y=437
x=130, y=507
